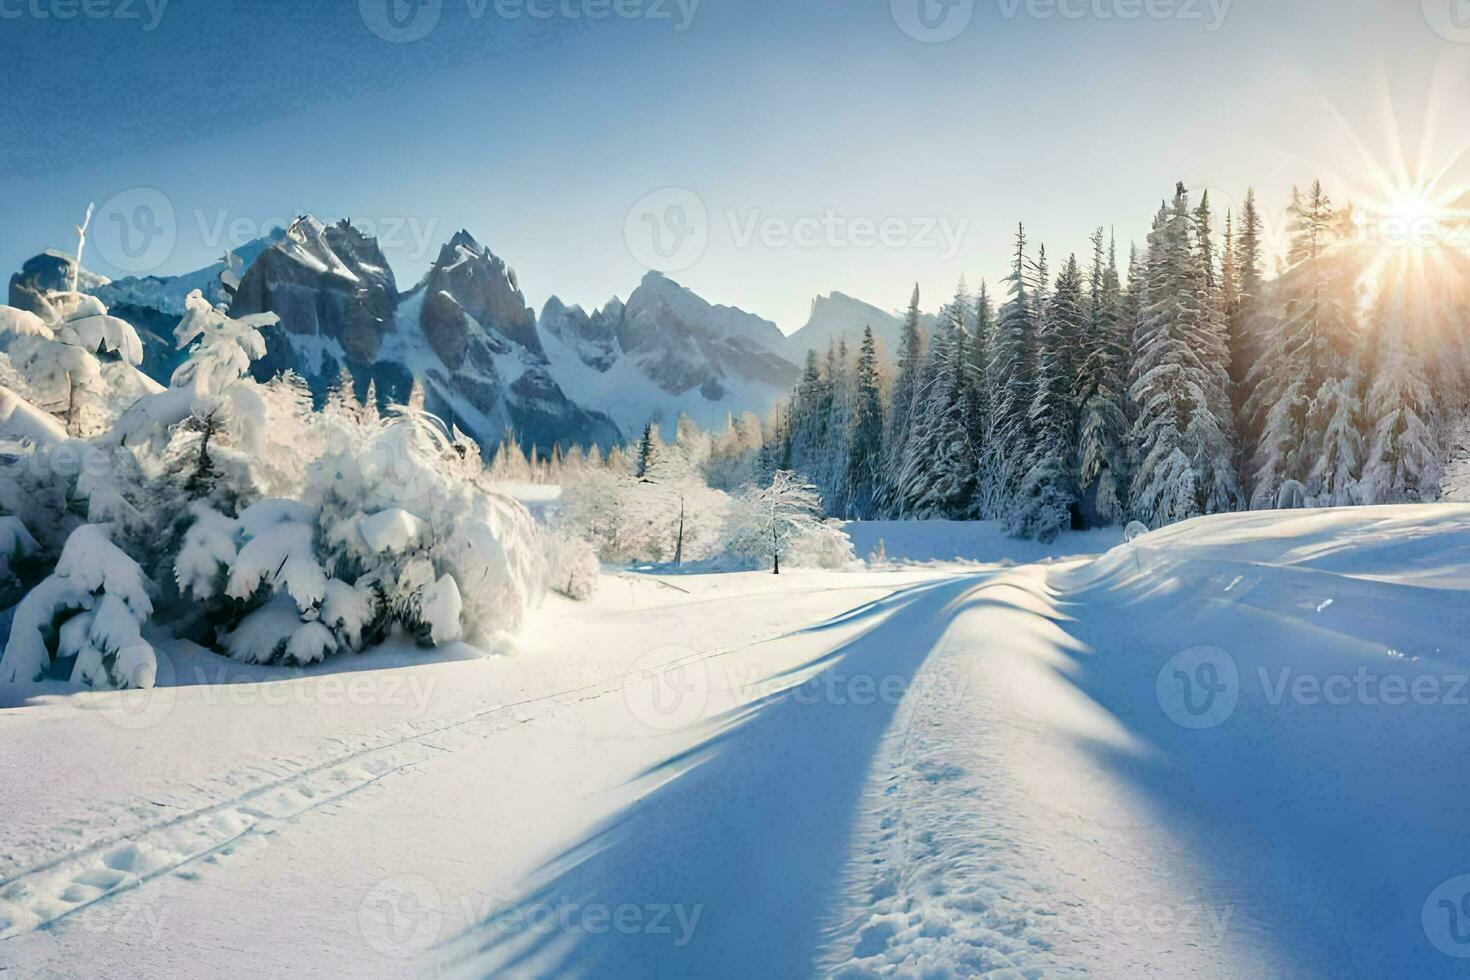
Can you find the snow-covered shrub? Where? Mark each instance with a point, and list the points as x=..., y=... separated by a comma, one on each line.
x=824, y=546
x=266, y=563
x=629, y=520
x=572, y=567
x=1292, y=495
x=81, y=366
x=55, y=488
x=92, y=610
x=403, y=507
x=17, y=548
x=783, y=521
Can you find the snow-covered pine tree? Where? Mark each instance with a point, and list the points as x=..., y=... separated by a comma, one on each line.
x=734, y=455
x=1014, y=367
x=989, y=496
x=1102, y=428
x=342, y=397
x=1179, y=448
x=1048, y=491
x=982, y=352
x=865, y=450
x=1404, y=452
x=943, y=461
x=1229, y=279
x=1247, y=343
x=810, y=415
x=1297, y=387
x=509, y=464
x=1211, y=433
x=920, y=441
x=903, y=397
x=91, y=610
x=834, y=464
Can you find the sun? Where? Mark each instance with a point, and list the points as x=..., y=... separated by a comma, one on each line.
x=1403, y=216
x=1412, y=207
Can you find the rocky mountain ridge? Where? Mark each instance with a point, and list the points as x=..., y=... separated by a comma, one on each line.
x=487, y=362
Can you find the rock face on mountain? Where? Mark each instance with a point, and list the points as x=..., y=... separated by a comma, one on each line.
x=467, y=333
x=593, y=337
x=325, y=282
x=48, y=272
x=837, y=317
x=464, y=332
x=467, y=280
x=682, y=342
x=486, y=361
x=663, y=353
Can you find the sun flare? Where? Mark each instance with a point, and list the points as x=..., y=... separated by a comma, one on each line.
x=1412, y=207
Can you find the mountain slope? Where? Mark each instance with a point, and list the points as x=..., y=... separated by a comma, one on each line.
x=486, y=360
x=664, y=352
x=839, y=317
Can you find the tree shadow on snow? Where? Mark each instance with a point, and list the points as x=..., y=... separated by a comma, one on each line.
x=1324, y=826
x=728, y=862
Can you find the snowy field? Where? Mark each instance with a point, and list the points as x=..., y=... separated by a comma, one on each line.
x=1234, y=747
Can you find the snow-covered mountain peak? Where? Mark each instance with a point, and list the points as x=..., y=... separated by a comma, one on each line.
x=837, y=316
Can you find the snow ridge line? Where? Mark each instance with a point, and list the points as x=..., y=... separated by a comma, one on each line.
x=932, y=881
x=68, y=883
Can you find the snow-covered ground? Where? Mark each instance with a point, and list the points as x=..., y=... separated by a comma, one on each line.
x=1232, y=748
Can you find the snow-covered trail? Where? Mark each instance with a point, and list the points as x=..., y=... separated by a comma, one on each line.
x=990, y=843
x=298, y=803
x=748, y=831
x=1233, y=748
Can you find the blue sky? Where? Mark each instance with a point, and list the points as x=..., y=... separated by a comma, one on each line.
x=800, y=127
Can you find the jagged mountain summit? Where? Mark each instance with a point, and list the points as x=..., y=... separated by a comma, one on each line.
x=664, y=352
x=486, y=361
x=838, y=317
x=464, y=332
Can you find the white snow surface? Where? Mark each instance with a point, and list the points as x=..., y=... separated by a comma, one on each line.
x=935, y=770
